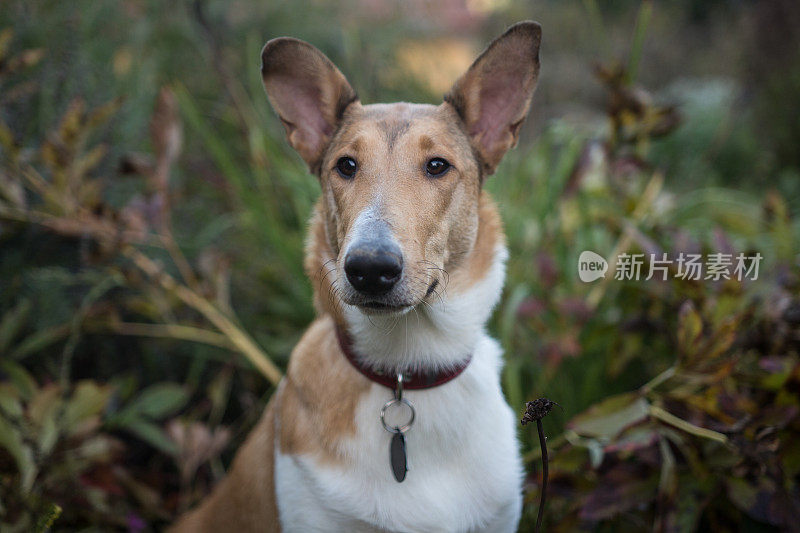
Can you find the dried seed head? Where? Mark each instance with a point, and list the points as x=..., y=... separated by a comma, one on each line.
x=537, y=409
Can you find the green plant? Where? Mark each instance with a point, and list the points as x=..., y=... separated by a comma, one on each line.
x=64, y=444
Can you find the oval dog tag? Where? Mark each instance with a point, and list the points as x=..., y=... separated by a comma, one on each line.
x=397, y=455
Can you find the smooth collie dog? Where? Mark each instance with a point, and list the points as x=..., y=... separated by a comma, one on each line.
x=391, y=416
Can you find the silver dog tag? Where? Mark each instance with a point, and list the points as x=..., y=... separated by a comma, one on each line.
x=397, y=455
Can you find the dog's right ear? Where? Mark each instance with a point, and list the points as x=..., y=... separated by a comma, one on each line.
x=307, y=91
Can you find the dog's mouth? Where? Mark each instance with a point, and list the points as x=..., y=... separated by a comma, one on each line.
x=381, y=305
x=388, y=306
x=375, y=307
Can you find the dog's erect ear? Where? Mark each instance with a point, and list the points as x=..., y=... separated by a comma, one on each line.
x=307, y=91
x=493, y=96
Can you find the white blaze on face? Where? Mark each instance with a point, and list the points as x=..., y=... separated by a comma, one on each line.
x=369, y=227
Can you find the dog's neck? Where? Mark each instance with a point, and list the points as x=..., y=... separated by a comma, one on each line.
x=436, y=334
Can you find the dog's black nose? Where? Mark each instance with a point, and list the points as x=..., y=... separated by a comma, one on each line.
x=373, y=270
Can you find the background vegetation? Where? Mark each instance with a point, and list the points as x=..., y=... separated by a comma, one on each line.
x=152, y=220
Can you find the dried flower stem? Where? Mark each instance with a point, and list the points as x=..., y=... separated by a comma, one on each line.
x=545, y=474
x=82, y=226
x=178, y=258
x=241, y=340
x=536, y=410
x=172, y=331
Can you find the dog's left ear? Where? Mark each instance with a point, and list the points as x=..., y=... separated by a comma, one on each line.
x=307, y=91
x=494, y=95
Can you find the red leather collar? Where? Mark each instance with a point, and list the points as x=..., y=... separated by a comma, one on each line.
x=411, y=380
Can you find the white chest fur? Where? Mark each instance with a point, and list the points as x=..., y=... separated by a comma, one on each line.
x=465, y=472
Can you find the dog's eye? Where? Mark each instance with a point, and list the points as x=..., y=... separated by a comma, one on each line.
x=436, y=166
x=346, y=166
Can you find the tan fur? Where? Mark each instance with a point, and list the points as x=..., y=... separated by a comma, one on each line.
x=447, y=226
x=311, y=397
x=435, y=220
x=481, y=258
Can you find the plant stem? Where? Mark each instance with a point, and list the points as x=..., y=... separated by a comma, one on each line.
x=178, y=258
x=172, y=331
x=639, y=34
x=598, y=28
x=241, y=340
x=536, y=410
x=688, y=427
x=85, y=225
x=658, y=380
x=535, y=454
x=545, y=474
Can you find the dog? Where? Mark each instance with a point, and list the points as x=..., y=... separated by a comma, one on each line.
x=391, y=415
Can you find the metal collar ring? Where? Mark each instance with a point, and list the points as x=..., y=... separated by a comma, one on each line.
x=397, y=429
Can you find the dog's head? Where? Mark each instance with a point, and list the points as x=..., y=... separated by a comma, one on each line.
x=401, y=182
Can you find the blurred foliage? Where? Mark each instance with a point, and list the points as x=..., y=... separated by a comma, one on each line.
x=146, y=191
